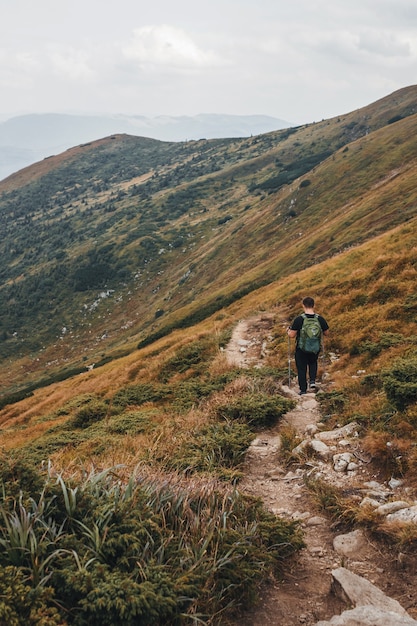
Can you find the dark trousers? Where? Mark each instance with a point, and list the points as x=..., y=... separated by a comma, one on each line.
x=304, y=361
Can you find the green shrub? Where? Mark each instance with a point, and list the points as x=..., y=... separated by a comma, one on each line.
x=331, y=401
x=90, y=413
x=135, y=395
x=152, y=551
x=190, y=392
x=214, y=448
x=21, y=604
x=187, y=357
x=258, y=410
x=385, y=293
x=132, y=422
x=40, y=450
x=18, y=474
x=400, y=382
x=374, y=348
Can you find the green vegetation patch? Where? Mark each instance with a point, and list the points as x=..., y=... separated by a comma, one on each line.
x=132, y=422
x=189, y=393
x=190, y=356
x=400, y=382
x=152, y=551
x=216, y=448
x=136, y=395
x=258, y=410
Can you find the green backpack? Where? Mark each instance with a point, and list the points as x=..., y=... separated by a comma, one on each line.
x=310, y=334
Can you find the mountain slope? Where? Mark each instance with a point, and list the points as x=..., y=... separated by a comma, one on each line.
x=122, y=239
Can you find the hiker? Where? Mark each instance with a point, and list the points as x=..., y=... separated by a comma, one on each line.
x=308, y=328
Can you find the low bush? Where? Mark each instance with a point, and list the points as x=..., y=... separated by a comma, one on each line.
x=135, y=395
x=17, y=474
x=157, y=550
x=21, y=604
x=258, y=410
x=189, y=393
x=217, y=448
x=132, y=423
x=90, y=413
x=331, y=402
x=400, y=382
x=189, y=356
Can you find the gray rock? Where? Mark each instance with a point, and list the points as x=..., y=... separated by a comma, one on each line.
x=371, y=502
x=316, y=520
x=349, y=544
x=320, y=448
x=369, y=616
x=394, y=483
x=375, y=490
x=373, y=484
x=358, y=591
x=352, y=467
x=338, y=433
x=392, y=507
x=408, y=515
x=341, y=461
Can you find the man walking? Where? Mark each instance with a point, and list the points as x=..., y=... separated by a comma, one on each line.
x=308, y=328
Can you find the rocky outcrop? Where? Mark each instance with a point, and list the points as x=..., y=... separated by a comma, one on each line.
x=371, y=606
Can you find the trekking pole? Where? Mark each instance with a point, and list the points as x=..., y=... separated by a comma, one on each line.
x=323, y=356
x=289, y=361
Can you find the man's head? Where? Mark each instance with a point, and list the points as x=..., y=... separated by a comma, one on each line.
x=308, y=303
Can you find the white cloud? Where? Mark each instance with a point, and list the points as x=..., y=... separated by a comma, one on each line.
x=167, y=46
x=298, y=60
x=70, y=63
x=384, y=44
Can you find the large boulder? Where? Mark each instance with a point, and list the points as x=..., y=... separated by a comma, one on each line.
x=371, y=606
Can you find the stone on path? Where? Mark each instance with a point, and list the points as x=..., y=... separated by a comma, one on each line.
x=369, y=616
x=372, y=606
x=338, y=433
x=360, y=592
x=408, y=515
x=349, y=544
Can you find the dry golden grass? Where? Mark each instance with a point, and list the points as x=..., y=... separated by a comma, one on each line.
x=404, y=535
x=388, y=453
x=169, y=432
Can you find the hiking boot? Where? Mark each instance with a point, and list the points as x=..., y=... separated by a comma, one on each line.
x=313, y=385
x=302, y=393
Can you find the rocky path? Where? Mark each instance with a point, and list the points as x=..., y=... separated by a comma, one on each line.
x=306, y=596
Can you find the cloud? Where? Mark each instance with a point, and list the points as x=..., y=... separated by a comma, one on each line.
x=165, y=46
x=69, y=63
x=383, y=44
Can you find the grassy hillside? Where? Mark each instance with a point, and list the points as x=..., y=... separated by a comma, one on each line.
x=141, y=257
x=124, y=238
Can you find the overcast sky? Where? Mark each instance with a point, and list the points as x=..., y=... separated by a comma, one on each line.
x=298, y=60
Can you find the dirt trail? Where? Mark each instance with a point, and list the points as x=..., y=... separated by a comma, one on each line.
x=304, y=596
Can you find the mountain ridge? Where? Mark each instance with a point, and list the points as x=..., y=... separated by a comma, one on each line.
x=28, y=138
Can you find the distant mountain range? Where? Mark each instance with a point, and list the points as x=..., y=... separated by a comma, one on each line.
x=26, y=139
